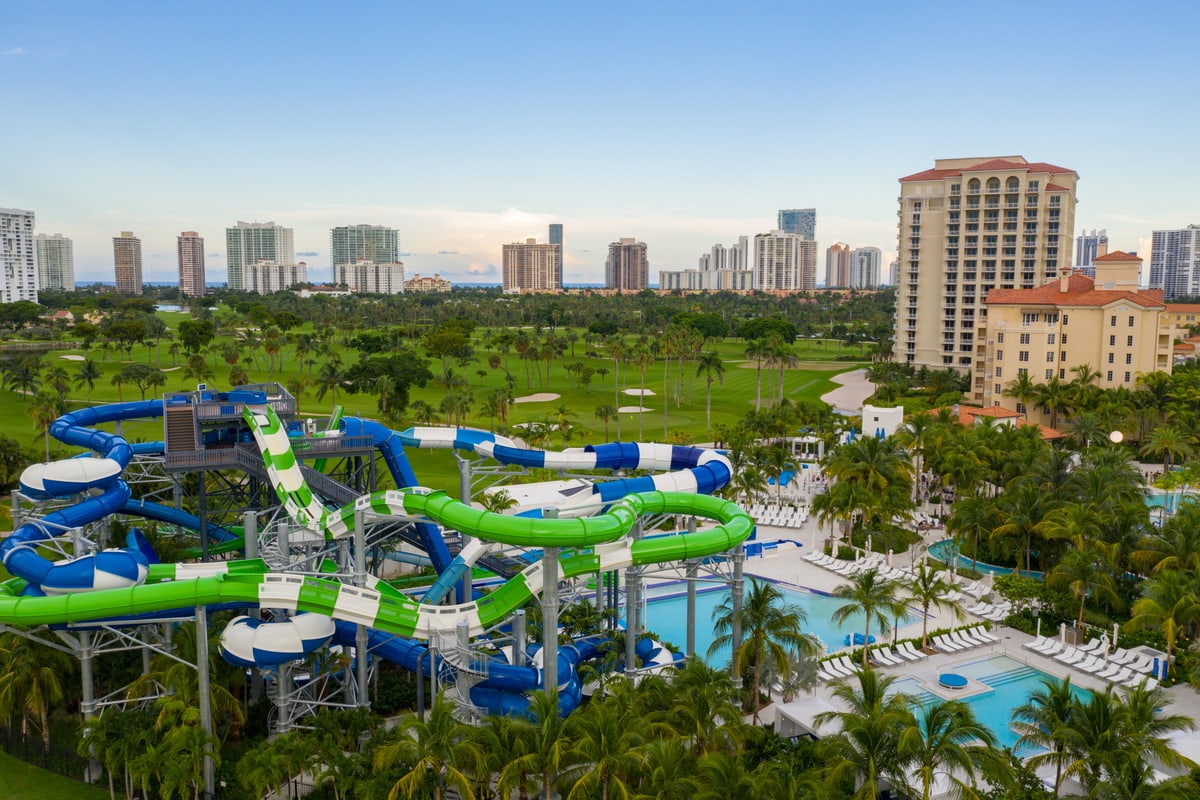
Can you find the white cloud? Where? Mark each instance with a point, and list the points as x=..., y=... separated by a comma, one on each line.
x=15, y=51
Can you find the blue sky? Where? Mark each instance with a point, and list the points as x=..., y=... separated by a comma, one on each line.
x=468, y=125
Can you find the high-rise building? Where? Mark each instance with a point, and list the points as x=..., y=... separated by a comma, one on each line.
x=249, y=242
x=266, y=277
x=799, y=220
x=351, y=243
x=837, y=265
x=1087, y=247
x=1106, y=323
x=893, y=273
x=1175, y=262
x=865, y=264
x=370, y=278
x=967, y=226
x=56, y=262
x=18, y=256
x=127, y=262
x=531, y=267
x=627, y=268
x=784, y=262
x=190, y=246
x=556, y=238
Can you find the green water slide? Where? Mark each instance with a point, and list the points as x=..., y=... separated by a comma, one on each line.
x=597, y=543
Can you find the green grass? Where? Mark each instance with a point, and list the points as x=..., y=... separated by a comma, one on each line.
x=730, y=400
x=23, y=781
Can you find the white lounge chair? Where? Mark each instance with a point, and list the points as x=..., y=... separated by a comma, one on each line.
x=846, y=663
x=1093, y=646
x=1142, y=664
x=1036, y=643
x=1125, y=674
x=1142, y=681
x=1055, y=645
x=831, y=666
x=959, y=637
x=912, y=652
x=1108, y=672
x=1122, y=656
x=1070, y=656
x=1089, y=662
x=946, y=646
x=980, y=632
x=888, y=655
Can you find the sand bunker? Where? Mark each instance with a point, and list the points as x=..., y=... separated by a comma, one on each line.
x=540, y=397
x=633, y=410
x=639, y=392
x=74, y=358
x=854, y=390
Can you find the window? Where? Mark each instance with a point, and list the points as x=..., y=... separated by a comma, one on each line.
x=1112, y=321
x=1050, y=338
x=1023, y=355
x=1022, y=371
x=1129, y=358
x=995, y=388
x=1110, y=358
x=1029, y=318
x=1052, y=318
x=999, y=355
x=1020, y=408
x=1024, y=338
x=1049, y=374
x=1000, y=338
x=1129, y=341
x=1033, y=186
x=1066, y=319
x=1109, y=376
x=999, y=372
x=1050, y=357
x=1127, y=377
x=1064, y=339
x=1062, y=356
x=1112, y=341
x=1131, y=322
x=1062, y=374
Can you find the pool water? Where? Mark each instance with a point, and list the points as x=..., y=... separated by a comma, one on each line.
x=944, y=549
x=1011, y=682
x=667, y=617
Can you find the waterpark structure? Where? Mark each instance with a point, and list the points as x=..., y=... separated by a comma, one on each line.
x=288, y=514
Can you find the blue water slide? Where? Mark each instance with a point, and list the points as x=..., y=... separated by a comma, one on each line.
x=173, y=516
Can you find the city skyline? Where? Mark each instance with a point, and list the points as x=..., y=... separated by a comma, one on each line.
x=454, y=166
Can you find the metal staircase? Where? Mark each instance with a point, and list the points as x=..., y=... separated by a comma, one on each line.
x=179, y=424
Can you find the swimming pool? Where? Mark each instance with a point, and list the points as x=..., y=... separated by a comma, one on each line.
x=667, y=617
x=1011, y=684
x=944, y=549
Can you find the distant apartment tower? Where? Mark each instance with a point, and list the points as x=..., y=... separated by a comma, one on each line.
x=56, y=262
x=556, y=238
x=249, y=242
x=352, y=243
x=893, y=273
x=627, y=268
x=1175, y=262
x=799, y=220
x=784, y=262
x=267, y=277
x=190, y=247
x=369, y=277
x=127, y=262
x=530, y=266
x=865, y=264
x=837, y=265
x=967, y=226
x=18, y=256
x=1087, y=247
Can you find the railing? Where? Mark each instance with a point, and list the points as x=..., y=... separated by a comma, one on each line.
x=216, y=458
x=32, y=750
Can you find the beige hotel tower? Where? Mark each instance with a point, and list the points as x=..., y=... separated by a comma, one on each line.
x=967, y=226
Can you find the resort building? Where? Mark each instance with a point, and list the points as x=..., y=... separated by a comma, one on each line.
x=370, y=277
x=837, y=265
x=531, y=267
x=56, y=262
x=349, y=244
x=784, y=262
x=1175, y=262
x=687, y=280
x=627, y=268
x=249, y=242
x=1182, y=319
x=420, y=283
x=18, y=256
x=968, y=226
x=191, y=264
x=266, y=277
x=127, y=262
x=1106, y=323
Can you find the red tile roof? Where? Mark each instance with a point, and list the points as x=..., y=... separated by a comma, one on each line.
x=1054, y=187
x=1183, y=308
x=1081, y=292
x=994, y=165
x=969, y=415
x=1117, y=255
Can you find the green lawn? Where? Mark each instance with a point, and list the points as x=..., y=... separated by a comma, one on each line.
x=730, y=400
x=23, y=782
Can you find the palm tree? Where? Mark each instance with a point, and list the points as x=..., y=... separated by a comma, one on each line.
x=43, y=409
x=1024, y=509
x=770, y=629
x=617, y=351
x=871, y=595
x=1169, y=443
x=1042, y=723
x=1175, y=545
x=88, y=373
x=1169, y=603
x=723, y=776
x=604, y=413
x=669, y=773
x=1022, y=389
x=972, y=516
x=709, y=365
x=706, y=713
x=928, y=588
x=30, y=681
x=605, y=745
x=438, y=751
x=58, y=379
x=1086, y=574
x=547, y=745
x=1054, y=396
x=757, y=350
x=868, y=749
x=946, y=739
x=329, y=379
